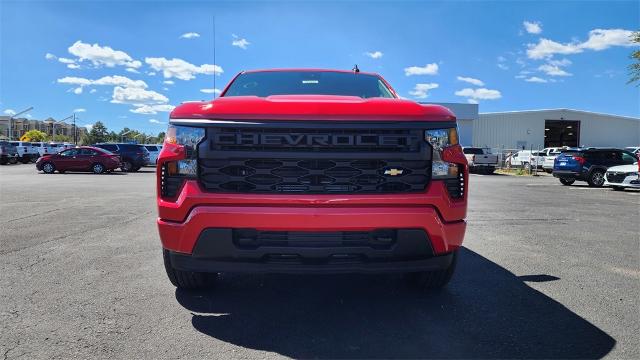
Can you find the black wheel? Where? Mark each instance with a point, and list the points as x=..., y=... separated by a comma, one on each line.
x=25, y=160
x=48, y=168
x=97, y=168
x=126, y=166
x=596, y=178
x=135, y=169
x=189, y=280
x=567, y=182
x=548, y=171
x=13, y=160
x=617, y=188
x=433, y=280
x=3, y=161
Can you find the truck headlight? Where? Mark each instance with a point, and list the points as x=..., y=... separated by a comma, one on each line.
x=188, y=138
x=440, y=139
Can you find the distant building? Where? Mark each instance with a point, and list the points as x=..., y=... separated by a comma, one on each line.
x=553, y=128
x=22, y=125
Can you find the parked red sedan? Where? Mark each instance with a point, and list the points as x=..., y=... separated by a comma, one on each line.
x=81, y=158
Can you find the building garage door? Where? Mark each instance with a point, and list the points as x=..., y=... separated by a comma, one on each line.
x=561, y=133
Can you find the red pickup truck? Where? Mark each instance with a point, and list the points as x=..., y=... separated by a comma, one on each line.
x=311, y=171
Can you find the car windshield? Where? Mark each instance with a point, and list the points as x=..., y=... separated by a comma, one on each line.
x=268, y=83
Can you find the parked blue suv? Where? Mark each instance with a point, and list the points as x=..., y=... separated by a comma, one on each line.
x=589, y=164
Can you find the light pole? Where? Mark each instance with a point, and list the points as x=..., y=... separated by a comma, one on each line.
x=53, y=126
x=123, y=134
x=11, y=120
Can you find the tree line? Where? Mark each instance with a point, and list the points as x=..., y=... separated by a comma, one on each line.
x=98, y=134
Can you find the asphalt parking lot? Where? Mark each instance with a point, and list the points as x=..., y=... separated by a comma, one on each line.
x=547, y=271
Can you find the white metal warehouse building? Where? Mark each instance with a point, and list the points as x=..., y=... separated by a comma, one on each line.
x=554, y=127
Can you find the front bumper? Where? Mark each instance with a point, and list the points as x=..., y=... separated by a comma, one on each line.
x=182, y=236
x=630, y=181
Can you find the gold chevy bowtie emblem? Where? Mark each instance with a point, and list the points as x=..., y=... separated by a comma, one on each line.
x=393, y=172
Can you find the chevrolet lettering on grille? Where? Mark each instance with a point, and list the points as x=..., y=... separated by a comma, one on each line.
x=314, y=140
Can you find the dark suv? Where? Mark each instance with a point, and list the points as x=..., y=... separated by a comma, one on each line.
x=132, y=156
x=589, y=164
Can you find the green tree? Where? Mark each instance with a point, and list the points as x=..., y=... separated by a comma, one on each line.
x=634, y=69
x=98, y=133
x=34, y=135
x=62, y=138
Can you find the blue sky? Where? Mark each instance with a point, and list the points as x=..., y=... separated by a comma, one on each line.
x=128, y=63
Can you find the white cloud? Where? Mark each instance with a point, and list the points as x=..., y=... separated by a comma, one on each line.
x=66, y=60
x=535, y=79
x=73, y=66
x=562, y=62
x=479, y=94
x=168, y=82
x=10, y=112
x=211, y=91
x=115, y=80
x=181, y=69
x=503, y=66
x=471, y=80
x=79, y=110
x=132, y=70
x=49, y=56
x=102, y=55
x=151, y=109
x=534, y=27
x=89, y=127
x=546, y=48
x=553, y=70
x=190, y=35
x=154, y=121
x=242, y=43
x=421, y=91
x=74, y=80
x=92, y=91
x=78, y=90
x=429, y=69
x=375, y=54
x=151, y=73
x=472, y=101
x=135, y=96
x=599, y=39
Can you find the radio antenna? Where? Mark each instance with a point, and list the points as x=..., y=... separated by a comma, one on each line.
x=214, y=57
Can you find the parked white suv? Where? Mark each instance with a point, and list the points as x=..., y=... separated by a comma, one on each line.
x=154, y=151
x=26, y=152
x=550, y=155
x=527, y=159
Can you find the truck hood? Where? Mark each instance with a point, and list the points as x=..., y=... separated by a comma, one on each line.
x=311, y=107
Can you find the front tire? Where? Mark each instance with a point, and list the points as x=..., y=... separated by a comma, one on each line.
x=126, y=166
x=433, y=280
x=567, y=182
x=188, y=280
x=596, y=179
x=97, y=168
x=48, y=168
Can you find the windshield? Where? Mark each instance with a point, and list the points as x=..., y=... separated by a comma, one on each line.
x=308, y=83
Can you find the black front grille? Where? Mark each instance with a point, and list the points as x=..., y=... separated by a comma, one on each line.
x=616, y=177
x=314, y=160
x=313, y=176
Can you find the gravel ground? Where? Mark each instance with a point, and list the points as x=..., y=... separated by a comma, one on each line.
x=547, y=271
